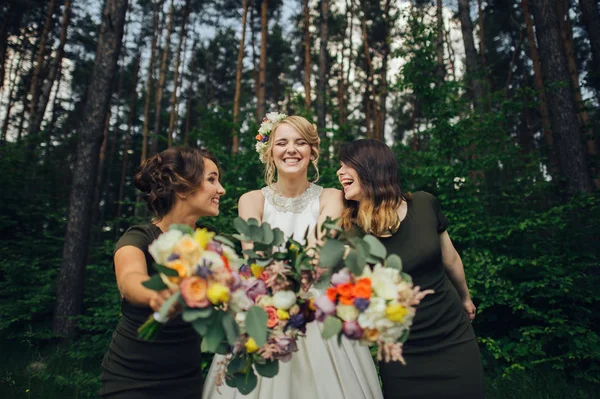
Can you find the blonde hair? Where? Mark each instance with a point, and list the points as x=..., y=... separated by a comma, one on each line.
x=307, y=130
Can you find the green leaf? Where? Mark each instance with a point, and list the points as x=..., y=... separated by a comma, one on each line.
x=246, y=382
x=406, y=277
x=241, y=226
x=201, y=326
x=231, y=329
x=355, y=262
x=168, y=304
x=167, y=271
x=231, y=382
x=331, y=327
x=255, y=233
x=184, y=228
x=331, y=253
x=190, y=314
x=249, y=252
x=215, y=333
x=236, y=365
x=256, y=324
x=376, y=247
x=268, y=235
x=278, y=237
x=253, y=222
x=268, y=369
x=393, y=261
x=224, y=240
x=241, y=237
x=155, y=283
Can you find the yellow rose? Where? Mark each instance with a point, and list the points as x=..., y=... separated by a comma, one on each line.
x=181, y=267
x=188, y=249
x=203, y=237
x=396, y=312
x=256, y=270
x=370, y=334
x=218, y=293
x=282, y=314
x=251, y=346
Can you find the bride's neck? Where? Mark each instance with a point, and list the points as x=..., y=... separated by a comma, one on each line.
x=291, y=187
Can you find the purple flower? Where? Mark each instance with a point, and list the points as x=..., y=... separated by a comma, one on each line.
x=265, y=138
x=286, y=346
x=245, y=270
x=237, y=280
x=254, y=288
x=202, y=271
x=361, y=304
x=325, y=305
x=341, y=277
x=297, y=321
x=215, y=247
x=172, y=257
x=320, y=316
x=352, y=330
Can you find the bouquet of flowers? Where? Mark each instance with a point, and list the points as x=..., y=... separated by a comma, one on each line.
x=252, y=312
x=367, y=296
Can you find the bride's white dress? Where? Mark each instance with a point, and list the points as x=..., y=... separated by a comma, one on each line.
x=320, y=369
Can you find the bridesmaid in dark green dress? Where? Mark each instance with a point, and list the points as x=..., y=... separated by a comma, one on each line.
x=441, y=353
x=180, y=185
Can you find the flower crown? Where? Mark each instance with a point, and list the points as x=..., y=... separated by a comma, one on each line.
x=264, y=131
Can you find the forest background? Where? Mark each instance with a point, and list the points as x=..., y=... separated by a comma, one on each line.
x=491, y=105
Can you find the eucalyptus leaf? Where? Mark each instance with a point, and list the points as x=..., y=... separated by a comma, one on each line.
x=224, y=240
x=278, y=237
x=190, y=314
x=268, y=369
x=215, y=333
x=256, y=324
x=355, y=262
x=253, y=222
x=331, y=253
x=255, y=233
x=236, y=364
x=241, y=226
x=231, y=329
x=167, y=271
x=168, y=304
x=241, y=237
x=268, y=235
x=249, y=252
x=406, y=277
x=393, y=261
x=231, y=382
x=246, y=382
x=376, y=247
x=201, y=326
x=331, y=327
x=155, y=283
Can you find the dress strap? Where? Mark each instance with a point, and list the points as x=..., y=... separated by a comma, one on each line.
x=294, y=205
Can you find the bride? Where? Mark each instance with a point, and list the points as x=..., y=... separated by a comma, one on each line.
x=320, y=369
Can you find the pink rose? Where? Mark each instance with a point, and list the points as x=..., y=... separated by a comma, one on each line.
x=341, y=277
x=193, y=291
x=254, y=288
x=272, y=314
x=352, y=330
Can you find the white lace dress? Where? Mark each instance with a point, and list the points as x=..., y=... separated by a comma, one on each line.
x=320, y=369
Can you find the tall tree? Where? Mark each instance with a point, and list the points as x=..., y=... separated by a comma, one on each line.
x=322, y=84
x=307, y=59
x=10, y=21
x=472, y=61
x=238, y=81
x=565, y=126
x=441, y=70
x=591, y=19
x=264, y=32
x=69, y=284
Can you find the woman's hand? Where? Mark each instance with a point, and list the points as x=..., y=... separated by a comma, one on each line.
x=158, y=298
x=469, y=307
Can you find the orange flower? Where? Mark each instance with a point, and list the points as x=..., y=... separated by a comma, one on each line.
x=362, y=288
x=194, y=291
x=226, y=262
x=332, y=294
x=272, y=314
x=370, y=334
x=258, y=137
x=346, y=300
x=346, y=289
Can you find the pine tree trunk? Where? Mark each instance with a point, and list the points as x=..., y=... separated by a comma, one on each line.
x=35, y=83
x=13, y=85
x=150, y=81
x=481, y=33
x=591, y=19
x=472, y=62
x=36, y=117
x=307, y=59
x=161, y=83
x=262, y=71
x=12, y=17
x=235, y=146
x=188, y=113
x=440, y=41
x=174, y=96
x=371, y=82
x=69, y=284
x=341, y=89
x=384, y=69
x=565, y=126
x=322, y=84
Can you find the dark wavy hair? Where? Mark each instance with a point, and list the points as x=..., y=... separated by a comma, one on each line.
x=174, y=170
x=377, y=171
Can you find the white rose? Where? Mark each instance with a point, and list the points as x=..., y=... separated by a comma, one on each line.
x=212, y=260
x=373, y=313
x=347, y=312
x=162, y=247
x=384, y=282
x=284, y=299
x=239, y=301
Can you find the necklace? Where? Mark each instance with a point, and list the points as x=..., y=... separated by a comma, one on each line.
x=295, y=204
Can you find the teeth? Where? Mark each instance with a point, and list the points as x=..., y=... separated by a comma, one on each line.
x=291, y=160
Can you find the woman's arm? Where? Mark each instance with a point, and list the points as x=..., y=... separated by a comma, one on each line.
x=332, y=206
x=456, y=272
x=251, y=206
x=131, y=271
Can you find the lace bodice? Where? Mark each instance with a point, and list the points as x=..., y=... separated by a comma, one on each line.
x=292, y=215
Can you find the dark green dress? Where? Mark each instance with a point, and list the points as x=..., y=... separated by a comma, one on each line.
x=441, y=353
x=169, y=366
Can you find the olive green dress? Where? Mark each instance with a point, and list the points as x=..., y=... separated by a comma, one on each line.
x=169, y=366
x=441, y=353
